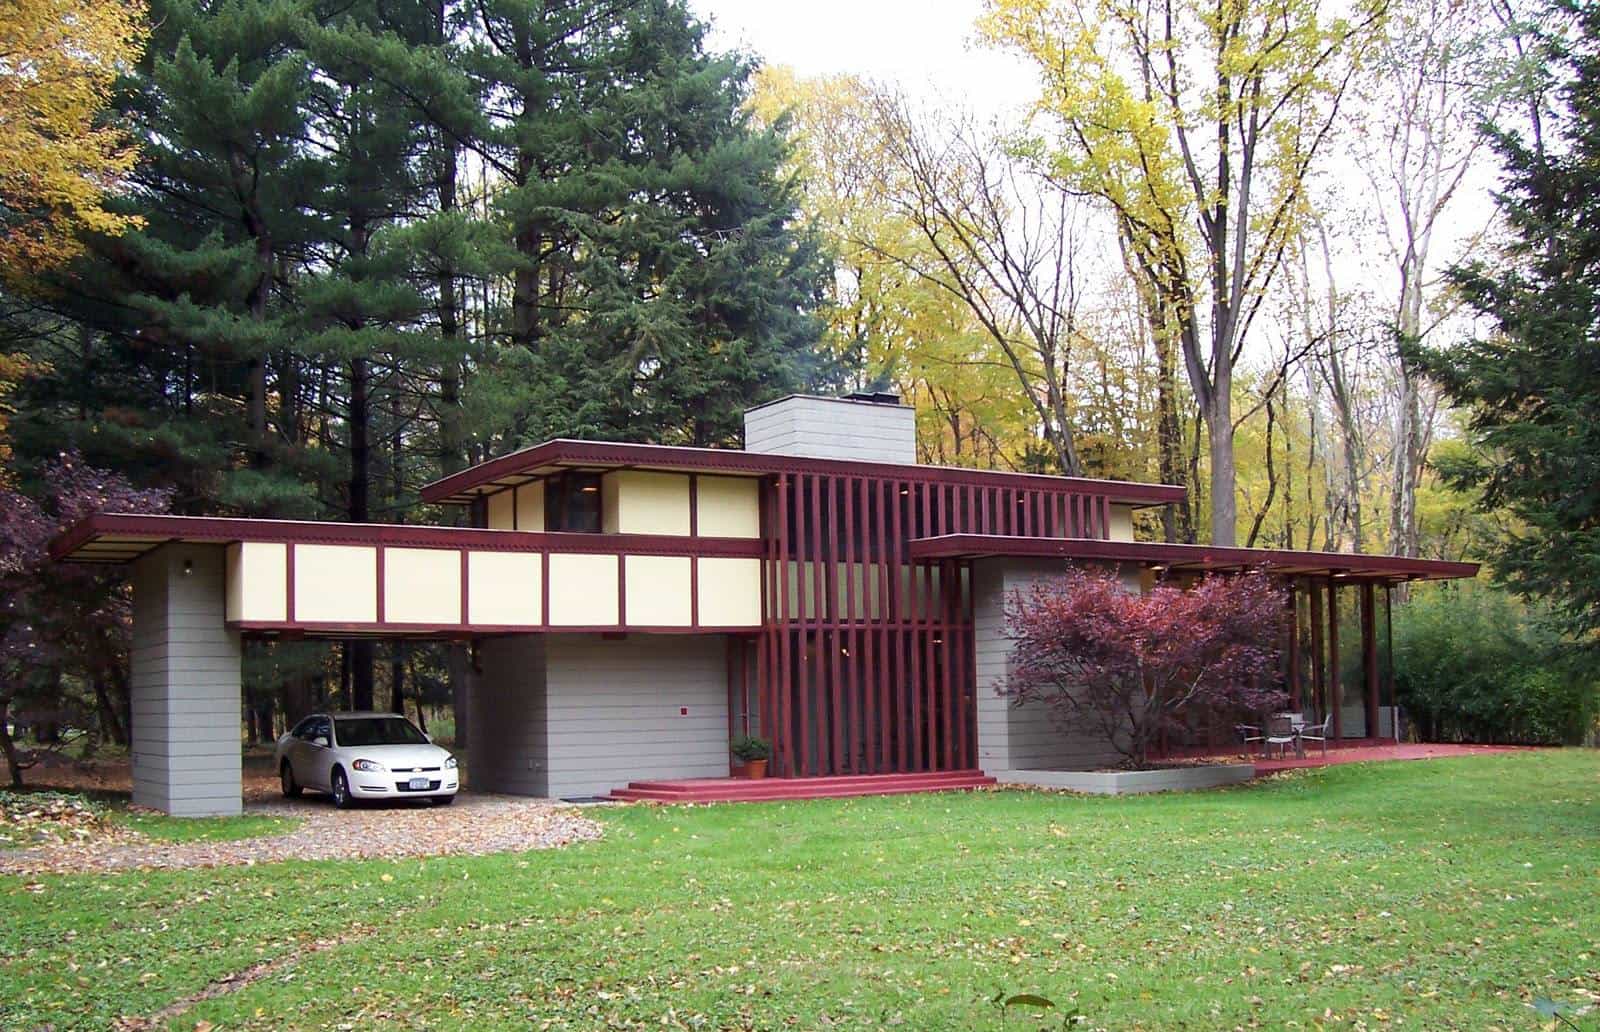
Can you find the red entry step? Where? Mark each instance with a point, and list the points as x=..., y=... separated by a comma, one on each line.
x=733, y=790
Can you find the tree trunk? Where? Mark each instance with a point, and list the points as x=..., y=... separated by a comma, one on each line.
x=110, y=723
x=7, y=746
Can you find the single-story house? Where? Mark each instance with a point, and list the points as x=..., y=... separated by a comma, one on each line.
x=632, y=606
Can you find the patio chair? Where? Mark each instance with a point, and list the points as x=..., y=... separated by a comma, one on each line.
x=1317, y=733
x=1283, y=731
x=1249, y=733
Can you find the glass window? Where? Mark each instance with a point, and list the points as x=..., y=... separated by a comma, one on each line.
x=572, y=503
x=359, y=731
x=317, y=727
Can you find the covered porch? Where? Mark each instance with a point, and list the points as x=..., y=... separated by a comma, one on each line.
x=1336, y=652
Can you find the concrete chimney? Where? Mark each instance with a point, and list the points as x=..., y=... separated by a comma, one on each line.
x=862, y=427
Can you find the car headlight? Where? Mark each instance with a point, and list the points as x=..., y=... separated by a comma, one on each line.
x=370, y=766
x=449, y=763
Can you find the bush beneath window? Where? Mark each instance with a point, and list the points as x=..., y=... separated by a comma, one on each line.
x=1474, y=664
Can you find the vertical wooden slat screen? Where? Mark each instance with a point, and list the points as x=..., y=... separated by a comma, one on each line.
x=865, y=663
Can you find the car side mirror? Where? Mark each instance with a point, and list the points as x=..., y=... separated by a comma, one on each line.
x=320, y=742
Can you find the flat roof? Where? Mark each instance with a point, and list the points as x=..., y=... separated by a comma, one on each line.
x=116, y=537
x=540, y=460
x=1198, y=558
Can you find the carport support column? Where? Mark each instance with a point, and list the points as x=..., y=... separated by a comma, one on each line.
x=185, y=685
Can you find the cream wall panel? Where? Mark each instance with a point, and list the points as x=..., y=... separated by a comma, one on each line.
x=503, y=588
x=636, y=502
x=658, y=590
x=730, y=592
x=335, y=584
x=583, y=590
x=257, y=581
x=728, y=507
x=499, y=506
x=530, y=506
x=421, y=586
x=1121, y=523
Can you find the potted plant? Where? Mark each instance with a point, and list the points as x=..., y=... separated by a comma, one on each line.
x=753, y=752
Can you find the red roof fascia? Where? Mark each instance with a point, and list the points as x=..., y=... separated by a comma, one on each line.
x=458, y=488
x=957, y=546
x=311, y=532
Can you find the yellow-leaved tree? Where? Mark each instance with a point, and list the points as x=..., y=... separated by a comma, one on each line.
x=1198, y=124
x=888, y=319
x=58, y=62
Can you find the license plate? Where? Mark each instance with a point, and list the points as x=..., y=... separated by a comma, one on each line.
x=418, y=783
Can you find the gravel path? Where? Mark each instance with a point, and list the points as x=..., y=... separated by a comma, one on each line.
x=474, y=826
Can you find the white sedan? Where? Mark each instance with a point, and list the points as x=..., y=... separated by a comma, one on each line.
x=355, y=756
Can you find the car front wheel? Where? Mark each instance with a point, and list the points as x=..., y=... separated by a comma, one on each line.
x=341, y=791
x=291, y=787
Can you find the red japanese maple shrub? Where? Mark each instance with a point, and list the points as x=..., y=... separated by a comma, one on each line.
x=1118, y=664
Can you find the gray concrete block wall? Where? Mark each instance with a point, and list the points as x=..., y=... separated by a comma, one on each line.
x=1012, y=737
x=579, y=715
x=185, y=685
x=833, y=428
x=506, y=742
x=615, y=710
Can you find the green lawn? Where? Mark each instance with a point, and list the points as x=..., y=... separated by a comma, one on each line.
x=1443, y=894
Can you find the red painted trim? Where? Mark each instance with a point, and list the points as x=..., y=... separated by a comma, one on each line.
x=288, y=577
x=544, y=588
x=423, y=630
x=832, y=580
x=379, y=567
x=466, y=595
x=622, y=591
x=208, y=529
x=694, y=505
x=462, y=487
x=694, y=591
x=969, y=546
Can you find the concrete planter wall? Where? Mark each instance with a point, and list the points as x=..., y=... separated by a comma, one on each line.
x=1131, y=782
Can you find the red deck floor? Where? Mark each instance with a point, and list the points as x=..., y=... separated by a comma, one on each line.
x=1368, y=752
x=728, y=790
x=720, y=790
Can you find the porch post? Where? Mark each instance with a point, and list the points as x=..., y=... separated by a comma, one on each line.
x=1369, y=654
x=1335, y=693
x=1318, y=654
x=1294, y=646
x=1388, y=621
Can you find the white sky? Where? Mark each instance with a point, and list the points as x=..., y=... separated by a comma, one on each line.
x=925, y=46
x=928, y=49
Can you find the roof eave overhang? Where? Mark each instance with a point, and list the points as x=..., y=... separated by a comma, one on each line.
x=1196, y=558
x=113, y=538
x=541, y=459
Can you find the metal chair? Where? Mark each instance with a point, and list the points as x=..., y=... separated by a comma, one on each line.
x=1283, y=731
x=1317, y=733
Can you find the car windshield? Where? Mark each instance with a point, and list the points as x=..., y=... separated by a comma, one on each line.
x=378, y=731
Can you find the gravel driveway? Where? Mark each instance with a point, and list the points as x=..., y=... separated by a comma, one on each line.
x=475, y=825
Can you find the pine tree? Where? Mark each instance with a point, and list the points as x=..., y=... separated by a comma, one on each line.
x=1532, y=387
x=660, y=285
x=185, y=325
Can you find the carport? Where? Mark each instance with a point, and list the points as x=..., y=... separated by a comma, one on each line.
x=201, y=585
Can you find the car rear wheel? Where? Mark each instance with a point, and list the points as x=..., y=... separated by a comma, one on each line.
x=291, y=787
x=341, y=791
